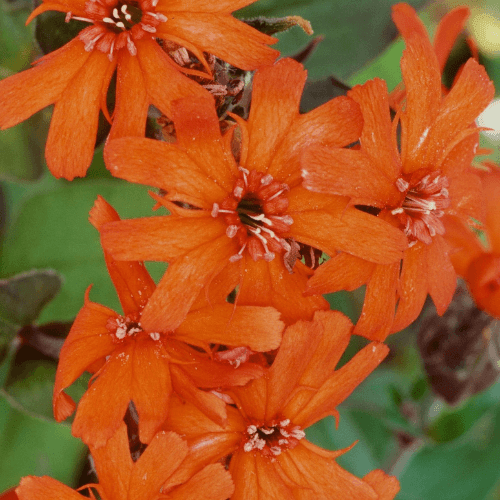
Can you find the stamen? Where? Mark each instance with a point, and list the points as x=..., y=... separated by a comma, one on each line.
x=67, y=19
x=155, y=335
x=115, y=13
x=108, y=20
x=402, y=185
x=231, y=231
x=148, y=28
x=266, y=180
x=130, y=46
x=215, y=210
x=121, y=25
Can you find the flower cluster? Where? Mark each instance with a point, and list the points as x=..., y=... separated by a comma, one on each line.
x=222, y=366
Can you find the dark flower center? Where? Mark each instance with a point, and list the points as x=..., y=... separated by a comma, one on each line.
x=255, y=214
x=124, y=16
x=122, y=327
x=273, y=438
x=423, y=207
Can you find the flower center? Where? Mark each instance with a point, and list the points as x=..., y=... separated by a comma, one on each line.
x=255, y=214
x=423, y=207
x=123, y=17
x=271, y=440
x=117, y=24
x=128, y=326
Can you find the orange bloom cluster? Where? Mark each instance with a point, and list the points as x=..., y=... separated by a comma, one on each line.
x=225, y=363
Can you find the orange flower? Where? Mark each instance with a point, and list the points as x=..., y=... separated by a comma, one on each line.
x=133, y=363
x=265, y=432
x=149, y=478
x=123, y=37
x=247, y=216
x=421, y=189
x=477, y=263
x=450, y=26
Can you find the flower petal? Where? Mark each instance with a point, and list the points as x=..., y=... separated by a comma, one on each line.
x=470, y=95
x=413, y=286
x=164, y=82
x=347, y=172
x=447, y=33
x=222, y=35
x=211, y=483
x=342, y=272
x=114, y=465
x=36, y=488
x=276, y=95
x=335, y=124
x=464, y=245
x=162, y=457
x=379, y=306
x=386, y=486
x=225, y=6
x=325, y=477
x=87, y=342
x=132, y=281
x=491, y=187
x=132, y=101
x=73, y=129
x=340, y=385
x=442, y=279
x=163, y=238
x=150, y=388
x=183, y=281
x=377, y=139
x=271, y=284
x=198, y=133
x=209, y=404
x=340, y=228
x=111, y=393
x=154, y=163
x=422, y=79
x=300, y=342
x=27, y=92
x=256, y=327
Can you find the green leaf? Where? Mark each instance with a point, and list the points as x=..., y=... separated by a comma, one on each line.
x=35, y=446
x=22, y=150
x=15, y=37
x=355, y=32
x=465, y=469
x=52, y=230
x=23, y=297
x=30, y=384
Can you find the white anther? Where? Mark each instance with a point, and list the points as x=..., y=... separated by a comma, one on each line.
x=67, y=19
x=155, y=335
x=235, y=257
x=269, y=256
x=161, y=17
x=131, y=47
x=148, y=28
x=124, y=9
x=248, y=446
x=267, y=431
x=244, y=170
x=238, y=191
x=298, y=434
x=231, y=231
x=275, y=450
x=121, y=332
x=108, y=20
x=285, y=422
x=155, y=2
x=266, y=180
x=215, y=210
x=397, y=211
x=402, y=185
x=133, y=331
x=120, y=25
x=282, y=441
x=115, y=13
x=284, y=433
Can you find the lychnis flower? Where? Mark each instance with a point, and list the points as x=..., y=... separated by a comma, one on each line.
x=132, y=363
x=419, y=187
x=270, y=456
x=240, y=217
x=122, y=36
